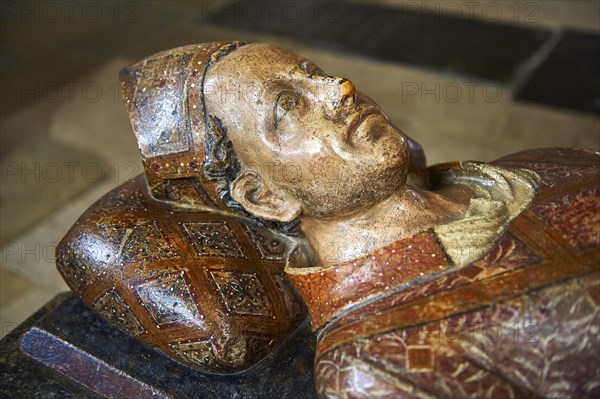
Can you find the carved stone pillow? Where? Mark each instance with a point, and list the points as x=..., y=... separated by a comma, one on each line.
x=202, y=287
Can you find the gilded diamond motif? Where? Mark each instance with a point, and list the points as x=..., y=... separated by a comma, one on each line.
x=113, y=309
x=243, y=293
x=213, y=239
x=199, y=353
x=168, y=299
x=269, y=246
x=140, y=241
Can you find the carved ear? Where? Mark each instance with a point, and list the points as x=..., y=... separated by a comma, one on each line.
x=264, y=201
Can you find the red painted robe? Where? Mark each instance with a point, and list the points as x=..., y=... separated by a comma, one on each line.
x=521, y=321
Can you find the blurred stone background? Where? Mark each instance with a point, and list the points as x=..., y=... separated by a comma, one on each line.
x=468, y=80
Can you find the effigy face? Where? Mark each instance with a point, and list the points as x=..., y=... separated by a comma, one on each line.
x=294, y=125
x=262, y=171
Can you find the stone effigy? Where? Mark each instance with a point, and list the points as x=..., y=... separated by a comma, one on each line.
x=464, y=279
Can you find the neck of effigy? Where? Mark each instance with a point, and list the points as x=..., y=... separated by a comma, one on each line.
x=404, y=213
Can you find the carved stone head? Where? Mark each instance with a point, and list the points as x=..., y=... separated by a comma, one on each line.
x=308, y=143
x=264, y=130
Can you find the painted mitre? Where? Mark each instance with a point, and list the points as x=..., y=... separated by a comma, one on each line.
x=164, y=96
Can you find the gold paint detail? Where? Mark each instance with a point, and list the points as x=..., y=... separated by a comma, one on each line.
x=501, y=195
x=463, y=299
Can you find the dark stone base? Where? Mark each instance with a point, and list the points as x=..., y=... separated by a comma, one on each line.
x=66, y=351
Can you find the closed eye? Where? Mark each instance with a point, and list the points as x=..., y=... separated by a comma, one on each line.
x=286, y=101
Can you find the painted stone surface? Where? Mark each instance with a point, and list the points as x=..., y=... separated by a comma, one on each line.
x=522, y=321
x=198, y=286
x=464, y=279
